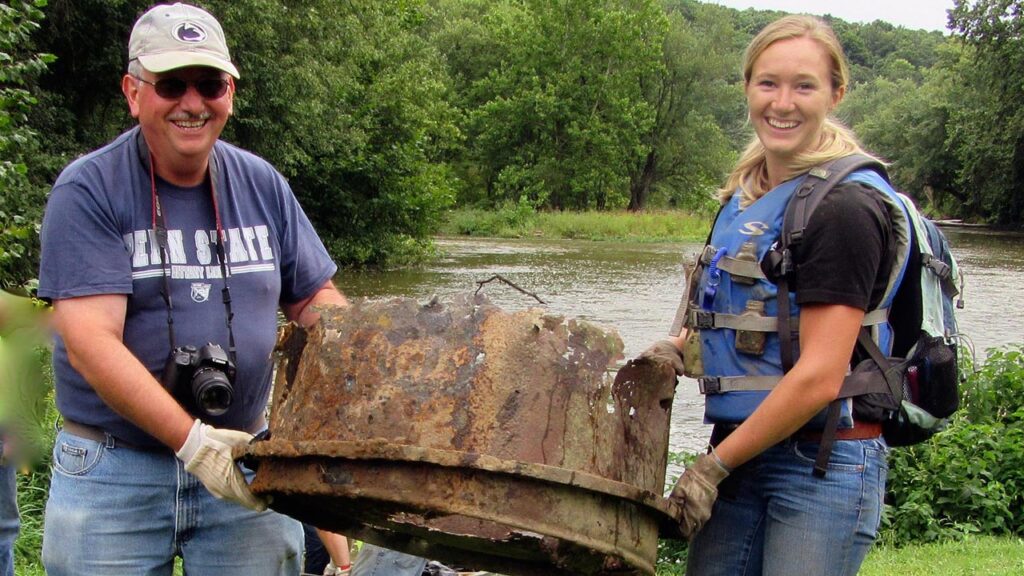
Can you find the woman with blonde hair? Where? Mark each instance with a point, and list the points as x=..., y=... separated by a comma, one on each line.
x=753, y=504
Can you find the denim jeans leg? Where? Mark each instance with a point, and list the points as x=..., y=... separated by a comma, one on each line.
x=773, y=517
x=824, y=525
x=221, y=538
x=114, y=511
x=9, y=521
x=110, y=510
x=732, y=541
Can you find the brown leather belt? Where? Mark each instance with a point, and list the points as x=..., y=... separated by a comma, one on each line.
x=860, y=431
x=97, y=435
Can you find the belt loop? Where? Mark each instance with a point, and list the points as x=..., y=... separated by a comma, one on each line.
x=110, y=442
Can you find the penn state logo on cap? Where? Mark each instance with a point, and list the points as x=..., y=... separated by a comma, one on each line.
x=189, y=32
x=171, y=36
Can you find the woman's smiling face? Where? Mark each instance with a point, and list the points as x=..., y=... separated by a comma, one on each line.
x=789, y=95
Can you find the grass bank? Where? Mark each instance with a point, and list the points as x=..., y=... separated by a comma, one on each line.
x=974, y=556
x=971, y=556
x=518, y=221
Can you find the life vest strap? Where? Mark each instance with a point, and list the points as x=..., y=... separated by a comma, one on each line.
x=734, y=266
x=704, y=320
x=722, y=384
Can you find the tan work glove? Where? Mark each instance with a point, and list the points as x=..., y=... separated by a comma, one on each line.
x=696, y=491
x=207, y=454
x=665, y=352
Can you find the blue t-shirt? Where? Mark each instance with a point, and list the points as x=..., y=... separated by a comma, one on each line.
x=97, y=238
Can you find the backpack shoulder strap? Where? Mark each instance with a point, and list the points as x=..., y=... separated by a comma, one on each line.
x=819, y=181
x=805, y=200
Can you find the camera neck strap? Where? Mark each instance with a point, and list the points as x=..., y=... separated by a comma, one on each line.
x=159, y=222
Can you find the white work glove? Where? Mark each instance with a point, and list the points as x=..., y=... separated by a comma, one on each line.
x=207, y=454
x=332, y=570
x=696, y=492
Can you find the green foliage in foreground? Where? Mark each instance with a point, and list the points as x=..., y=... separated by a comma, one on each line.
x=520, y=220
x=970, y=478
x=21, y=200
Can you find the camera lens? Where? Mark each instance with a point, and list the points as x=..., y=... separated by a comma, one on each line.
x=212, y=391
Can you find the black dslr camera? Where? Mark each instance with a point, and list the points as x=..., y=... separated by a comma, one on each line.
x=201, y=379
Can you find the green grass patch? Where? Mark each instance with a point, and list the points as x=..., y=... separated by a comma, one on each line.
x=970, y=556
x=973, y=556
x=519, y=221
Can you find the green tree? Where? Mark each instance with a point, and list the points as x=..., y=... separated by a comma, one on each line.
x=559, y=119
x=462, y=32
x=21, y=200
x=990, y=126
x=696, y=93
x=81, y=106
x=909, y=123
x=351, y=104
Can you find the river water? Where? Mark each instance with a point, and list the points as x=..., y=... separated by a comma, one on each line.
x=635, y=288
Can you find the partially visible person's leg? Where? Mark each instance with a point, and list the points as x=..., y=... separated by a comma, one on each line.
x=9, y=522
x=109, y=511
x=220, y=538
x=824, y=525
x=316, y=556
x=373, y=560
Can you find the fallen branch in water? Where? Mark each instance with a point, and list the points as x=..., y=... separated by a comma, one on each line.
x=499, y=277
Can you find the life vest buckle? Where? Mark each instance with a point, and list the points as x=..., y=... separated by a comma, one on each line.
x=940, y=268
x=709, y=385
x=702, y=319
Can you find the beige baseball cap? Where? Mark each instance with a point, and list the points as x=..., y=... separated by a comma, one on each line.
x=171, y=36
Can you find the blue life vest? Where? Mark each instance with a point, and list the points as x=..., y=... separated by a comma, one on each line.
x=727, y=276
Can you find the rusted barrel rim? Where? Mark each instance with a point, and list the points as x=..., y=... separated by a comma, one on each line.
x=666, y=511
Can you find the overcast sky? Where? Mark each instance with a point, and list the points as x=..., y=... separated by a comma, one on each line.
x=913, y=14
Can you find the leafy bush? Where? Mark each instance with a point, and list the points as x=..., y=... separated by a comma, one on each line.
x=511, y=219
x=970, y=478
x=996, y=392
x=21, y=201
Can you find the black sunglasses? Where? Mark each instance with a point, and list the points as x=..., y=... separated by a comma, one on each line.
x=174, y=88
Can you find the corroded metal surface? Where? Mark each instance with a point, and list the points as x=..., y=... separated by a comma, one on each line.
x=465, y=433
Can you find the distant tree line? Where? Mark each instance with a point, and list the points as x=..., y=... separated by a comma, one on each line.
x=383, y=115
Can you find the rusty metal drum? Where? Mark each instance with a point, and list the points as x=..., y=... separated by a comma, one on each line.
x=464, y=433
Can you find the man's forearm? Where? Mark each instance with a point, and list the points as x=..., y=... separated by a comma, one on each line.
x=91, y=330
x=304, y=314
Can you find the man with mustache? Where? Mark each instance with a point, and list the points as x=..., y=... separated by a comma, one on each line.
x=167, y=255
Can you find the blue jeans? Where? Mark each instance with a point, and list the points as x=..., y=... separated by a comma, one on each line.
x=773, y=517
x=9, y=522
x=114, y=511
x=376, y=561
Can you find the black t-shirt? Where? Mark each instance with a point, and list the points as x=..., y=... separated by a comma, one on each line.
x=846, y=256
